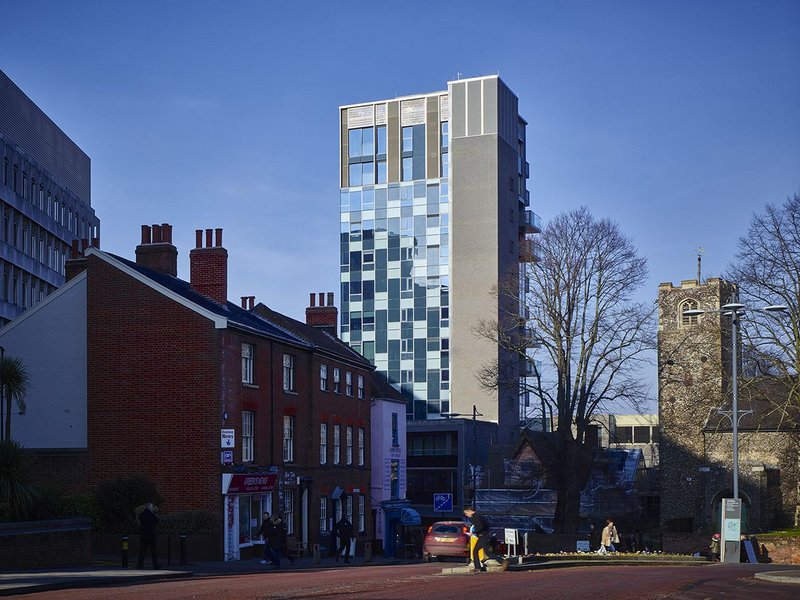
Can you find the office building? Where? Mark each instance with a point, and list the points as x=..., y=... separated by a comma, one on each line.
x=45, y=196
x=434, y=215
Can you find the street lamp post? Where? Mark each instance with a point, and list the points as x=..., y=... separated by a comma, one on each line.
x=735, y=310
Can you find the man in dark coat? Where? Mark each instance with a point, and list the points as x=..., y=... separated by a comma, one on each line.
x=484, y=534
x=265, y=531
x=147, y=536
x=344, y=533
x=277, y=540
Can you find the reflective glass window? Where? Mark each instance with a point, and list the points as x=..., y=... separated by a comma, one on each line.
x=408, y=165
x=355, y=175
x=381, y=139
x=354, y=143
x=408, y=139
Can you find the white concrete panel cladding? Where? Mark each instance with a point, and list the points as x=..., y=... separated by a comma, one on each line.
x=56, y=401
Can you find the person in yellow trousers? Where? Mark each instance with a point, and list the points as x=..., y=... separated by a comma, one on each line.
x=473, y=541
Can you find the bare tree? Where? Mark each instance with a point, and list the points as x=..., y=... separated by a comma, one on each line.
x=767, y=269
x=580, y=318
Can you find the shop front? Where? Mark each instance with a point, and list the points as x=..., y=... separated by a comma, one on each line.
x=247, y=496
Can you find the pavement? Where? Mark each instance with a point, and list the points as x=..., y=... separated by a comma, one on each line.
x=105, y=572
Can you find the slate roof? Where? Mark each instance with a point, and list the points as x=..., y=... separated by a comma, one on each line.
x=236, y=315
x=311, y=335
x=772, y=411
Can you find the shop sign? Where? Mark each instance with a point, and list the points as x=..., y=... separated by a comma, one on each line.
x=252, y=483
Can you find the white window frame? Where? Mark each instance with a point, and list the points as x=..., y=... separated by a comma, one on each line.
x=337, y=444
x=337, y=377
x=248, y=362
x=288, y=438
x=323, y=377
x=362, y=449
x=361, y=513
x=323, y=443
x=349, y=507
x=323, y=513
x=348, y=383
x=248, y=431
x=288, y=373
x=349, y=445
x=360, y=387
x=288, y=510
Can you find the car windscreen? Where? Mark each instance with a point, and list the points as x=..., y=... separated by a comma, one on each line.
x=447, y=529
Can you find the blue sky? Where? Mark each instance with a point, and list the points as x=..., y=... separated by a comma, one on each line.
x=676, y=118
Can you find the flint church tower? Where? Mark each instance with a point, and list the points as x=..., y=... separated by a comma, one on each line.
x=693, y=379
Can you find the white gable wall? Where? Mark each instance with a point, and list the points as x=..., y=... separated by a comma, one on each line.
x=50, y=338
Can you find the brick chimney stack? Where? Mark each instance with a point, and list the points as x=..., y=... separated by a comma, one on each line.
x=209, y=266
x=156, y=251
x=325, y=316
x=76, y=263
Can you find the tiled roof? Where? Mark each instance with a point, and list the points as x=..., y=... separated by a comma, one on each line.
x=311, y=335
x=236, y=315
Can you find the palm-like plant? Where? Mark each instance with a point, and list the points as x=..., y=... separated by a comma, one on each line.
x=16, y=494
x=14, y=384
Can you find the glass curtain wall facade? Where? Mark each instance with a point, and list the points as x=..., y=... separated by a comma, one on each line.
x=394, y=244
x=434, y=215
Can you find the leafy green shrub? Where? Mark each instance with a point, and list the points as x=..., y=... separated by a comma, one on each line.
x=17, y=495
x=117, y=501
x=188, y=522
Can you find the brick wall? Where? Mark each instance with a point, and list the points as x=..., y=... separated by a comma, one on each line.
x=39, y=544
x=153, y=391
x=66, y=470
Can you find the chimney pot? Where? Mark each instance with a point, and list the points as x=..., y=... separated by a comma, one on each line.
x=156, y=251
x=208, y=238
x=218, y=235
x=322, y=299
x=73, y=251
x=312, y=299
x=330, y=298
x=84, y=245
x=244, y=302
x=96, y=242
x=252, y=302
x=198, y=238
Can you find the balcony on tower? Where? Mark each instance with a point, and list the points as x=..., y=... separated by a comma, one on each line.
x=529, y=251
x=530, y=222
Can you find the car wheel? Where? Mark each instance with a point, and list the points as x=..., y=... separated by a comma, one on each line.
x=428, y=558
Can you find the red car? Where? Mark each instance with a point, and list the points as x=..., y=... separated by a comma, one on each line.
x=446, y=538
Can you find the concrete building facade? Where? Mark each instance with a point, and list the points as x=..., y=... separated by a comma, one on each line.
x=45, y=201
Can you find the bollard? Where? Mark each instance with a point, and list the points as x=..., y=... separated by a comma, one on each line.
x=367, y=552
x=183, y=548
x=124, y=551
x=315, y=553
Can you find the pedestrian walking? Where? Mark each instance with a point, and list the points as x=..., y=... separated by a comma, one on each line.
x=594, y=537
x=147, y=536
x=344, y=534
x=610, y=536
x=264, y=531
x=277, y=540
x=482, y=531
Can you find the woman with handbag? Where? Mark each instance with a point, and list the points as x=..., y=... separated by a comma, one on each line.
x=610, y=536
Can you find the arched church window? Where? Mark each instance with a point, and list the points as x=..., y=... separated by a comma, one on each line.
x=688, y=320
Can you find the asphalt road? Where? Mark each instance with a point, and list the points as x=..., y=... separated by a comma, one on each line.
x=425, y=582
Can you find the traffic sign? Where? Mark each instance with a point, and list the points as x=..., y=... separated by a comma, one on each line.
x=442, y=502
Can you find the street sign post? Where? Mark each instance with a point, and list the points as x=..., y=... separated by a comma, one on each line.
x=731, y=529
x=443, y=503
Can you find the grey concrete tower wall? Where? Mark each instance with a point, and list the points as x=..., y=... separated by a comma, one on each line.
x=485, y=241
x=26, y=125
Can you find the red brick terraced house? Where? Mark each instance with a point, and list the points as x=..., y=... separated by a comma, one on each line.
x=230, y=409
